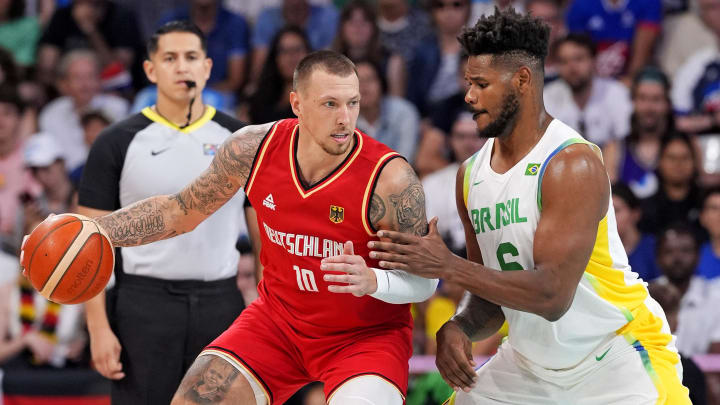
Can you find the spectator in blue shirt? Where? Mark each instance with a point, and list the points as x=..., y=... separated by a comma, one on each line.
x=640, y=247
x=624, y=31
x=709, y=264
x=228, y=38
x=318, y=22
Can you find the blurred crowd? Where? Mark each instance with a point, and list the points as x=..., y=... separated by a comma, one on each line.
x=639, y=78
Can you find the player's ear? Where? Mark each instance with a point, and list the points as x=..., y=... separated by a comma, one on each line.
x=295, y=102
x=149, y=68
x=523, y=79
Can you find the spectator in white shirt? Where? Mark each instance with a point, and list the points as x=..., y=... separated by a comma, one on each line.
x=79, y=73
x=598, y=108
x=440, y=185
x=696, y=85
x=391, y=120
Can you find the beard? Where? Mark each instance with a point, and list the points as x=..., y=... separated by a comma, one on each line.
x=504, y=123
x=579, y=84
x=678, y=275
x=650, y=123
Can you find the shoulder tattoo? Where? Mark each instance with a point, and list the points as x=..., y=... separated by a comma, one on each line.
x=409, y=206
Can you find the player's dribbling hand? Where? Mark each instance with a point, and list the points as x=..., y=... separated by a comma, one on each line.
x=360, y=279
x=22, y=248
x=105, y=350
x=454, y=357
x=22, y=254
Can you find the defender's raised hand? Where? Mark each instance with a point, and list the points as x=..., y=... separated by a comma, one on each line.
x=425, y=256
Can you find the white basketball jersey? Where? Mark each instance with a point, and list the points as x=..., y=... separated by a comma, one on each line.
x=505, y=210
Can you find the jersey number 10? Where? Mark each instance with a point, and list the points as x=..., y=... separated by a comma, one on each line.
x=305, y=279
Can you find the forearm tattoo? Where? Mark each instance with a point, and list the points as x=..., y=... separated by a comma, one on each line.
x=140, y=223
x=162, y=217
x=409, y=206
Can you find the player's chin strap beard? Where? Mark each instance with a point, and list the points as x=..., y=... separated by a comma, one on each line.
x=191, y=85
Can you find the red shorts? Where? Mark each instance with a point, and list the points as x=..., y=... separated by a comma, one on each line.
x=282, y=359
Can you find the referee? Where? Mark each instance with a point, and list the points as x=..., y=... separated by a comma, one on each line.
x=172, y=297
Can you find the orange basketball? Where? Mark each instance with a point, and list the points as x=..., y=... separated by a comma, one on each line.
x=68, y=258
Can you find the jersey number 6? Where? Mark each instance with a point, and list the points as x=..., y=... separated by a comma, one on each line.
x=508, y=248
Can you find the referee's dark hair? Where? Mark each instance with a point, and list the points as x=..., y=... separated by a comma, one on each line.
x=175, y=26
x=513, y=39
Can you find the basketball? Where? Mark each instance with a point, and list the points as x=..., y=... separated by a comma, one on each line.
x=68, y=258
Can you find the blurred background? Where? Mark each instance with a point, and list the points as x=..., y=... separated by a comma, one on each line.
x=640, y=78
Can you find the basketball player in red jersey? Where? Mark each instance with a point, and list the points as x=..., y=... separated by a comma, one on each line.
x=321, y=189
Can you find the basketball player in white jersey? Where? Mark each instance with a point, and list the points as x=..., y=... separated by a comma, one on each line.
x=543, y=251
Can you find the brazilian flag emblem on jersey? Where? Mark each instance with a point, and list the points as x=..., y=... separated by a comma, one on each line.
x=532, y=169
x=337, y=214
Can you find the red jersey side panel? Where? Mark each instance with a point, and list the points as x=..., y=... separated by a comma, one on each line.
x=299, y=226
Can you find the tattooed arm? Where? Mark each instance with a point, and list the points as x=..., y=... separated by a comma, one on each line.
x=165, y=216
x=398, y=204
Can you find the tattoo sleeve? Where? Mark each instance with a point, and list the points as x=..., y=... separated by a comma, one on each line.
x=477, y=317
x=162, y=217
x=409, y=206
x=140, y=223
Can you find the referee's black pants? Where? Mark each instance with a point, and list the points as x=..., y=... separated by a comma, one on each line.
x=162, y=327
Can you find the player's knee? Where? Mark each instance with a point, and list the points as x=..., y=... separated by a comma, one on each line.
x=214, y=380
x=367, y=390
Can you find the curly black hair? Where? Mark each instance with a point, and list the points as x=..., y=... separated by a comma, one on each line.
x=507, y=33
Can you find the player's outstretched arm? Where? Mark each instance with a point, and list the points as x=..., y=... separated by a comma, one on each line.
x=398, y=203
x=427, y=252
x=575, y=194
x=574, y=199
x=165, y=216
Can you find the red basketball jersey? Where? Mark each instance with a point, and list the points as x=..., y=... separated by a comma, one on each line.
x=299, y=226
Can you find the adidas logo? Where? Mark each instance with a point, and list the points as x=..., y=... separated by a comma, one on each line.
x=269, y=202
